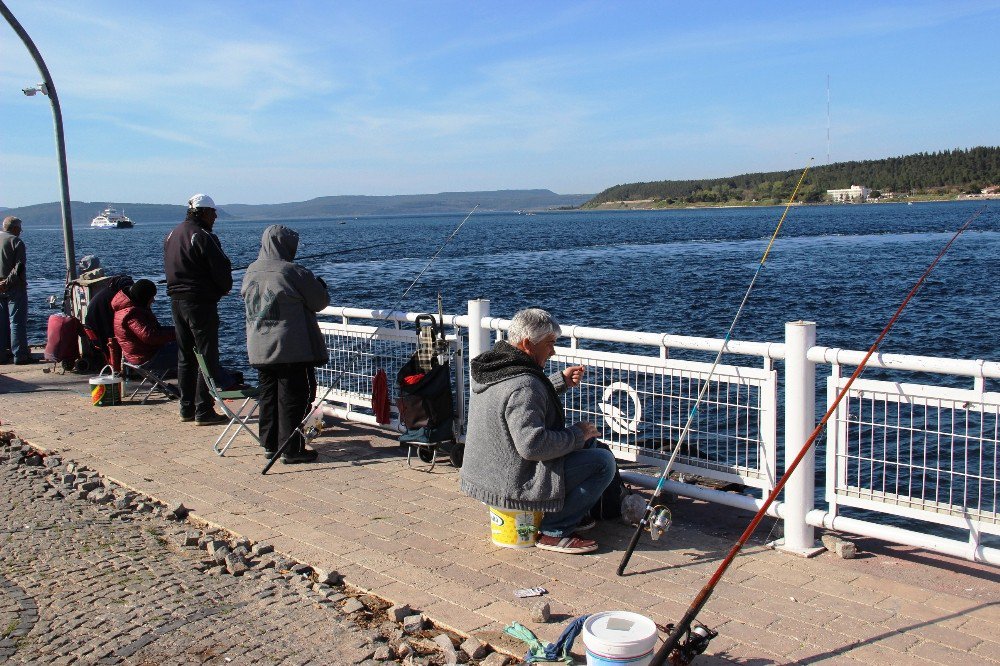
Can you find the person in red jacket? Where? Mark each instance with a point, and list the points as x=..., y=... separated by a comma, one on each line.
x=143, y=341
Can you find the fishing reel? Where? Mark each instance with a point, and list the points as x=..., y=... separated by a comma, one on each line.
x=695, y=642
x=313, y=427
x=660, y=520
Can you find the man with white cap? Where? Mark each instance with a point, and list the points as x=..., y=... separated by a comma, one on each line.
x=198, y=275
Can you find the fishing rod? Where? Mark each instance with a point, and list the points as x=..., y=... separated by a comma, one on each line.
x=301, y=427
x=696, y=639
x=317, y=256
x=655, y=518
x=334, y=253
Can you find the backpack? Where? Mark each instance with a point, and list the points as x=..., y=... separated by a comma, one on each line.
x=610, y=503
x=424, y=382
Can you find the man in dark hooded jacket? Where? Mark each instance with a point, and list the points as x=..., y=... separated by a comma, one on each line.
x=199, y=274
x=284, y=342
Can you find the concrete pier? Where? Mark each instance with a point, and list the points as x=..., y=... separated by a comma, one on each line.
x=409, y=536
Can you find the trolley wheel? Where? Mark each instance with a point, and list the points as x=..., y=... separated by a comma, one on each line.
x=426, y=453
x=457, y=454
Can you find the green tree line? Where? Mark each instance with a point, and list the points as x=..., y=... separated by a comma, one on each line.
x=946, y=172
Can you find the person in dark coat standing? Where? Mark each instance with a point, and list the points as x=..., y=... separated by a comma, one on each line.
x=284, y=342
x=199, y=274
x=13, y=295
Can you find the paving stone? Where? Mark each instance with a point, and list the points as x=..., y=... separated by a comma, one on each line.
x=177, y=510
x=447, y=647
x=235, y=564
x=399, y=612
x=474, y=647
x=496, y=659
x=352, y=605
x=262, y=549
x=413, y=623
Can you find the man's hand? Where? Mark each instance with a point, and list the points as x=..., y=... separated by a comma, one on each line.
x=588, y=429
x=573, y=375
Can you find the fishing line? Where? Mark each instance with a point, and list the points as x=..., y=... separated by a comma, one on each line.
x=320, y=255
x=648, y=514
x=683, y=628
x=355, y=350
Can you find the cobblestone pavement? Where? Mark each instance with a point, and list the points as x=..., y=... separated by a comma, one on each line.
x=101, y=576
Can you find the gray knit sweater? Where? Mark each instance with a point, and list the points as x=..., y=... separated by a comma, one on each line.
x=516, y=438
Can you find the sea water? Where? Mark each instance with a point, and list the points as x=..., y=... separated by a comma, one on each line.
x=677, y=271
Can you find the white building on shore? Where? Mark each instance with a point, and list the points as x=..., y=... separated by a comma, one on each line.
x=853, y=194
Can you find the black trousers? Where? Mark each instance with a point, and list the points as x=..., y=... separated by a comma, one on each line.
x=286, y=391
x=197, y=327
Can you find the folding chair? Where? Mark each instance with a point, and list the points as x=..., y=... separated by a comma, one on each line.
x=238, y=418
x=149, y=382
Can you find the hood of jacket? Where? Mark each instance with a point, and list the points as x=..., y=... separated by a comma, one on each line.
x=279, y=243
x=501, y=363
x=121, y=301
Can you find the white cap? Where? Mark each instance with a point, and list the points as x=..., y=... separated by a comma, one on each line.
x=201, y=201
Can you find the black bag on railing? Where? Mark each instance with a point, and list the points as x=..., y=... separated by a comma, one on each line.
x=425, y=401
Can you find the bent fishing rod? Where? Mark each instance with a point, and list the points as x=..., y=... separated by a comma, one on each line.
x=651, y=514
x=301, y=427
x=684, y=643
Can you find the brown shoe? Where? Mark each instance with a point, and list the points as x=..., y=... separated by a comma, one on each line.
x=572, y=544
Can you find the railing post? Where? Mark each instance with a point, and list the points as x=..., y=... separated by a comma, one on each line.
x=800, y=420
x=479, y=336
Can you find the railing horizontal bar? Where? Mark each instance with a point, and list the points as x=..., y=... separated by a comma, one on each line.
x=745, y=502
x=948, y=366
x=824, y=519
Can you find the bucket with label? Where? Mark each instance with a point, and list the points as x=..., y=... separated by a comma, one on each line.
x=106, y=389
x=617, y=638
x=514, y=529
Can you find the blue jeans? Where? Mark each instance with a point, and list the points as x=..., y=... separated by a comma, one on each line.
x=586, y=473
x=14, y=325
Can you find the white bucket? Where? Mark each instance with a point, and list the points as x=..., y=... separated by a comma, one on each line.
x=618, y=638
x=106, y=390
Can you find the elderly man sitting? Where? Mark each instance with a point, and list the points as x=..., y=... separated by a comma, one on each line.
x=519, y=453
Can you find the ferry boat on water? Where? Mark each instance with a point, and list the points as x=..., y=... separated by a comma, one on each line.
x=111, y=218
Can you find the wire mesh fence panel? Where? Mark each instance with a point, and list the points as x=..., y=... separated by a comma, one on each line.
x=640, y=405
x=920, y=451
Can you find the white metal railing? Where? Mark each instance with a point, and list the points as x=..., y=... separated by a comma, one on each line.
x=640, y=405
x=921, y=452
x=358, y=353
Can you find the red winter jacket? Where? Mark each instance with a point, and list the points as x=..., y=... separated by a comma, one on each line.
x=136, y=329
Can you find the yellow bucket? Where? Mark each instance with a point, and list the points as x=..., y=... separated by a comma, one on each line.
x=514, y=529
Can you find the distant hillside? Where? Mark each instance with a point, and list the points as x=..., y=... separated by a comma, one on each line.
x=410, y=204
x=946, y=172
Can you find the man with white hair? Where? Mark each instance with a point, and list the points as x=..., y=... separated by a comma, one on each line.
x=519, y=453
x=199, y=274
x=13, y=295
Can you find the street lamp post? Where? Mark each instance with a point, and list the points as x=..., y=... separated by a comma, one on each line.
x=46, y=87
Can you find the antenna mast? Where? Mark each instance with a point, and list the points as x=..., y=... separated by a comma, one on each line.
x=827, y=118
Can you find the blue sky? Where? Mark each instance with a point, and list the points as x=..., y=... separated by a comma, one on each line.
x=267, y=102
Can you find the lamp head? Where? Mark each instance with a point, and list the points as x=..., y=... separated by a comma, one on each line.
x=40, y=88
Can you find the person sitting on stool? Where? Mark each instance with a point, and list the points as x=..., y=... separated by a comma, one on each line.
x=519, y=453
